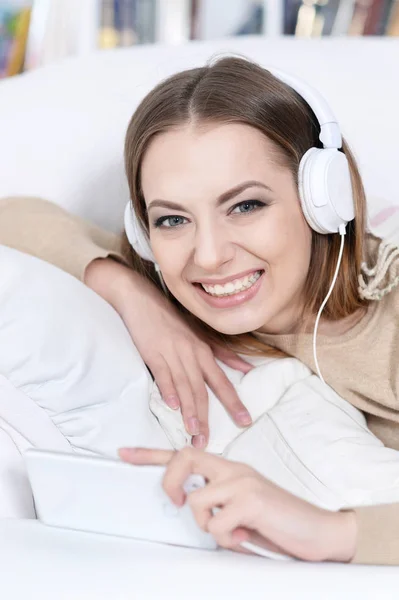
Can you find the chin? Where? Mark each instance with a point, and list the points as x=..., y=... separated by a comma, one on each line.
x=234, y=325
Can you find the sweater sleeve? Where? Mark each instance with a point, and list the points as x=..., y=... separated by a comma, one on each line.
x=43, y=229
x=378, y=535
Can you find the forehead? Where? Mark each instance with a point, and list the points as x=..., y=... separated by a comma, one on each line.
x=209, y=159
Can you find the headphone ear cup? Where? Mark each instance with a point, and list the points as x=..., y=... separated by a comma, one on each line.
x=304, y=174
x=136, y=236
x=325, y=189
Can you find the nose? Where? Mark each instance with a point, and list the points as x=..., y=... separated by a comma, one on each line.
x=213, y=248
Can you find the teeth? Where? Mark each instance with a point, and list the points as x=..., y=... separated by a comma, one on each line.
x=232, y=287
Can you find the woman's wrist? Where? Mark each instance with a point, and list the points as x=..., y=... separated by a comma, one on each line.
x=115, y=282
x=341, y=536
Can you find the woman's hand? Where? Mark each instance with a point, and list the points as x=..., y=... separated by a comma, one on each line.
x=251, y=508
x=180, y=362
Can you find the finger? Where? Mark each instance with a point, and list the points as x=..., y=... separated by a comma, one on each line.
x=202, y=404
x=238, y=536
x=232, y=359
x=225, y=522
x=224, y=390
x=247, y=541
x=226, y=511
x=164, y=381
x=190, y=460
x=214, y=498
x=145, y=456
x=187, y=461
x=200, y=394
x=186, y=397
x=217, y=510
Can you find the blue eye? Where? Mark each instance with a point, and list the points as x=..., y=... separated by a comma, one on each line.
x=247, y=206
x=171, y=221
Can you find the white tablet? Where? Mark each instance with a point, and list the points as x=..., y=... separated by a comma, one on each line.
x=90, y=493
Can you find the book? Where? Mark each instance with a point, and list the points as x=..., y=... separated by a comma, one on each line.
x=343, y=18
x=359, y=18
x=108, y=35
x=253, y=23
x=384, y=17
x=125, y=21
x=18, y=46
x=329, y=14
x=374, y=17
x=309, y=22
x=393, y=21
x=145, y=20
x=172, y=21
x=14, y=28
x=291, y=9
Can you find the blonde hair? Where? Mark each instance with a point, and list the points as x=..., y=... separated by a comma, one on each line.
x=236, y=90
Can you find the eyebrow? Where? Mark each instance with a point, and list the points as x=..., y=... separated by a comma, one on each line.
x=225, y=197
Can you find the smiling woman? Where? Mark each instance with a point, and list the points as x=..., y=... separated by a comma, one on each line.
x=240, y=182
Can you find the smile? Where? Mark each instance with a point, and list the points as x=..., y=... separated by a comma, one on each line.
x=232, y=287
x=232, y=293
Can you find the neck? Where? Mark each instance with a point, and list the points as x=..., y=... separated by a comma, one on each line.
x=326, y=327
x=289, y=322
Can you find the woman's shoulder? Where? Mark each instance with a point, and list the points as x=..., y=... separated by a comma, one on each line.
x=379, y=275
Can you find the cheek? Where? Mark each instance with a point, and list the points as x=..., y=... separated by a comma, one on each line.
x=171, y=259
x=288, y=243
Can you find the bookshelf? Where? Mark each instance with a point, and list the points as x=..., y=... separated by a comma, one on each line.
x=38, y=32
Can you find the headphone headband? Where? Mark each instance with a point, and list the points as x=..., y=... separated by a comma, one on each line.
x=330, y=134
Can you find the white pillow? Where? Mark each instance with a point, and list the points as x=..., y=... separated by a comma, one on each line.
x=72, y=361
x=62, y=127
x=70, y=377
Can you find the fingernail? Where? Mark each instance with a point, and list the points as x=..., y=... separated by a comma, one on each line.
x=179, y=500
x=173, y=402
x=199, y=441
x=193, y=425
x=243, y=418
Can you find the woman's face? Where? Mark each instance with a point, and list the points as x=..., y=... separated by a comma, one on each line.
x=226, y=227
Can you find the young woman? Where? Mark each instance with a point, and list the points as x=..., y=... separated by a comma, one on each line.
x=212, y=160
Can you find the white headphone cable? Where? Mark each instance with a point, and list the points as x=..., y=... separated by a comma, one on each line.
x=255, y=549
x=342, y=232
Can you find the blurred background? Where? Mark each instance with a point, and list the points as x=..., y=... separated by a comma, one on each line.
x=38, y=32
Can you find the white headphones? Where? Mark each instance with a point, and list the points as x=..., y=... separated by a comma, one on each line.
x=324, y=181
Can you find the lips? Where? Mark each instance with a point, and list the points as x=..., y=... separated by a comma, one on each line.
x=230, y=300
x=224, y=280
x=233, y=287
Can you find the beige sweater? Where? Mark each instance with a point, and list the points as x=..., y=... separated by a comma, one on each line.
x=362, y=365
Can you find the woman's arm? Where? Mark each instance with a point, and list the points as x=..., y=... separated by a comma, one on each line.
x=45, y=230
x=254, y=509
x=378, y=535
